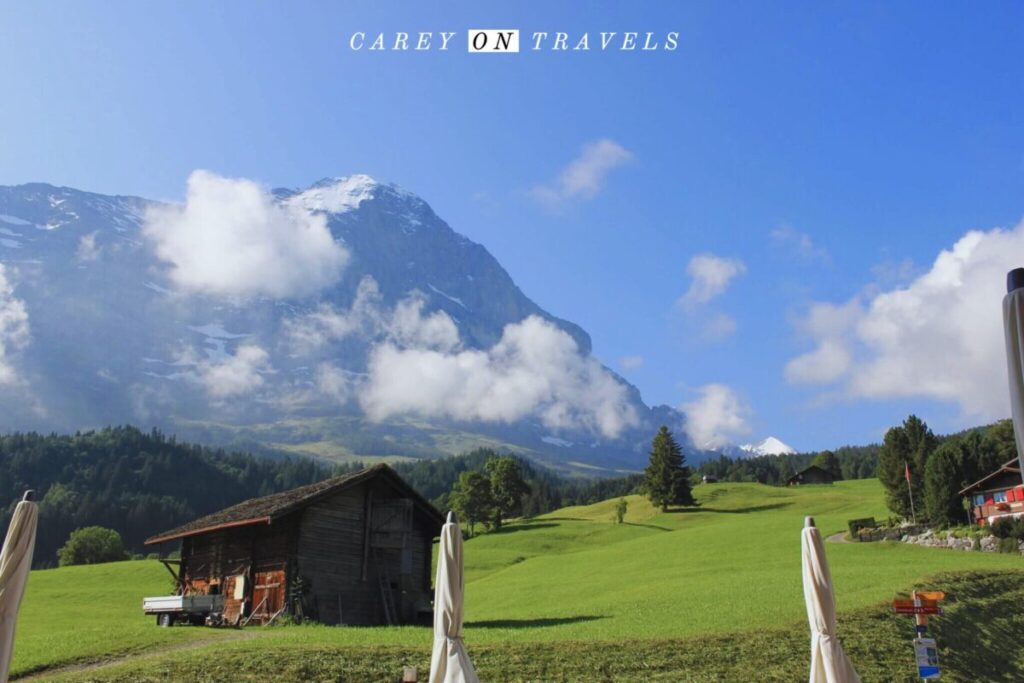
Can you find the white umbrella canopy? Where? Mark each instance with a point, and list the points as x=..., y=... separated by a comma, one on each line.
x=829, y=664
x=1013, y=327
x=15, y=562
x=449, y=662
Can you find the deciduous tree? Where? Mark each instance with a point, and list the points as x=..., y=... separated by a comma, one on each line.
x=92, y=545
x=472, y=499
x=507, y=487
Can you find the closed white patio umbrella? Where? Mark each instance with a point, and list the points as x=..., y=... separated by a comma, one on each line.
x=15, y=562
x=1013, y=327
x=829, y=664
x=449, y=662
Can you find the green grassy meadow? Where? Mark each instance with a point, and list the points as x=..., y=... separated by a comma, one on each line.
x=712, y=593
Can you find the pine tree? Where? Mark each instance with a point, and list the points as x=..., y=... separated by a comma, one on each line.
x=667, y=478
x=908, y=445
x=943, y=479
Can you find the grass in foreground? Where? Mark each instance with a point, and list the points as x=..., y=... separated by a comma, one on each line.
x=978, y=637
x=91, y=612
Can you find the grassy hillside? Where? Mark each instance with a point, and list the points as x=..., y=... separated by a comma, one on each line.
x=710, y=592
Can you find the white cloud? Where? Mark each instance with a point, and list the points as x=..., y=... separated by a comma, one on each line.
x=716, y=417
x=14, y=329
x=939, y=337
x=87, y=248
x=231, y=238
x=310, y=332
x=239, y=374
x=417, y=366
x=409, y=327
x=710, y=277
x=799, y=243
x=405, y=325
x=631, y=362
x=718, y=327
x=826, y=363
x=535, y=369
x=335, y=383
x=585, y=176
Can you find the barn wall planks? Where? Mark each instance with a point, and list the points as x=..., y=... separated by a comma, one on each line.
x=346, y=561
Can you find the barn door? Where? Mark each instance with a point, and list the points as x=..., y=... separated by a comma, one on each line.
x=268, y=592
x=391, y=522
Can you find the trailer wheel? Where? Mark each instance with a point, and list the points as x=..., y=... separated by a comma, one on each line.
x=164, y=620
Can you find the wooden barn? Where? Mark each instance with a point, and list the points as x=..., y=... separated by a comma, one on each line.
x=354, y=549
x=811, y=475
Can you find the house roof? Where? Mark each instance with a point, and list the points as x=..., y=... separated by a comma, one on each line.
x=808, y=469
x=1009, y=467
x=266, y=509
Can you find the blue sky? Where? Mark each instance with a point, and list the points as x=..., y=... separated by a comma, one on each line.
x=828, y=151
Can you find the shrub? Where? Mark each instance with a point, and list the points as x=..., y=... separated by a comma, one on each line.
x=856, y=525
x=1008, y=545
x=620, y=510
x=92, y=545
x=1009, y=528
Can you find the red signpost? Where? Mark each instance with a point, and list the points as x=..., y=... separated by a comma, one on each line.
x=916, y=607
x=922, y=604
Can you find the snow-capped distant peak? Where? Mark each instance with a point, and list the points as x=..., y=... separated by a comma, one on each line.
x=336, y=195
x=770, y=446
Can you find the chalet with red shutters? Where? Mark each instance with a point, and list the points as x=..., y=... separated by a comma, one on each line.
x=1000, y=494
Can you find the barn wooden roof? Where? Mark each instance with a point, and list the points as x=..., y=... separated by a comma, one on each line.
x=266, y=509
x=798, y=475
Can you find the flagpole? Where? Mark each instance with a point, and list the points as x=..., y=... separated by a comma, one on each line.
x=910, y=490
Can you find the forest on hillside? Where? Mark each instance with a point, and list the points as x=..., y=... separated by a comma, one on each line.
x=137, y=483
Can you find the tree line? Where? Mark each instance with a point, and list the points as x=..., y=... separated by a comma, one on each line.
x=548, y=490
x=136, y=483
x=490, y=487
x=939, y=467
x=846, y=462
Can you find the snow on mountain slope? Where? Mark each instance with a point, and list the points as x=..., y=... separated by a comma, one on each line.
x=112, y=337
x=770, y=446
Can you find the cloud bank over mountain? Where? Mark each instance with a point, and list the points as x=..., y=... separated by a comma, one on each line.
x=14, y=328
x=231, y=238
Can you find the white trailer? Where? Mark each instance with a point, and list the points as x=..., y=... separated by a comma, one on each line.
x=195, y=609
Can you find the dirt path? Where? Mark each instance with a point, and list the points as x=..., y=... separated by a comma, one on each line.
x=838, y=538
x=151, y=653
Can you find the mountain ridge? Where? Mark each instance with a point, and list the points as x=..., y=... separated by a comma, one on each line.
x=115, y=338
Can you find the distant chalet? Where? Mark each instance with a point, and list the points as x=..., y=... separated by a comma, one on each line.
x=354, y=549
x=1000, y=494
x=811, y=475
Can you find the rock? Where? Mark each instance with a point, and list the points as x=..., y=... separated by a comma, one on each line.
x=989, y=544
